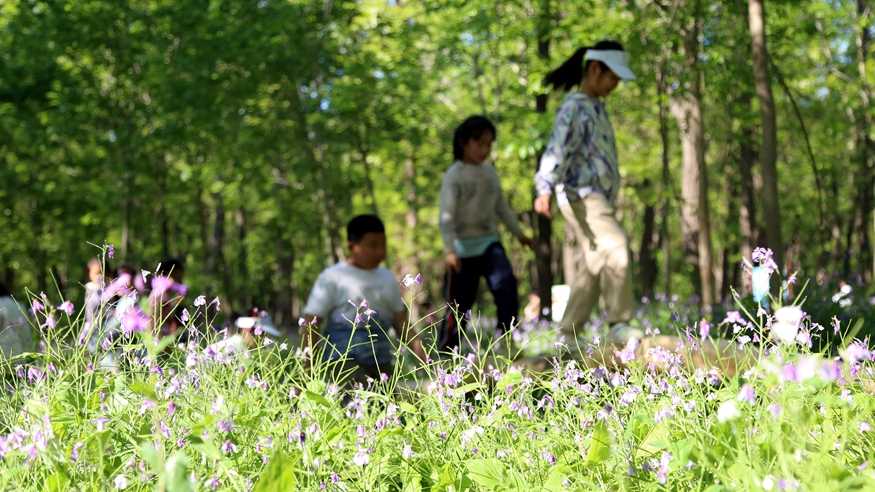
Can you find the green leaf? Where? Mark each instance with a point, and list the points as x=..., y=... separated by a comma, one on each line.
x=151, y=457
x=175, y=477
x=407, y=407
x=461, y=390
x=658, y=439
x=317, y=398
x=144, y=389
x=411, y=479
x=208, y=449
x=57, y=482
x=487, y=473
x=279, y=475
x=556, y=479
x=510, y=378
x=599, y=445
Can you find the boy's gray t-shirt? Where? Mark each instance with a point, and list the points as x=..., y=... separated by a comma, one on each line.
x=342, y=283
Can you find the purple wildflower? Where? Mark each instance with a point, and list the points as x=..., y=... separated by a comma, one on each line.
x=775, y=410
x=410, y=280
x=733, y=317
x=856, y=352
x=50, y=321
x=146, y=406
x=548, y=457
x=74, y=453
x=213, y=483
x=663, y=470
x=160, y=285
x=764, y=257
x=747, y=394
x=225, y=426
x=35, y=374
x=200, y=301
x=361, y=458
x=229, y=447
x=704, y=329
x=120, y=482
x=407, y=451
x=134, y=321
x=36, y=306
x=165, y=430
x=110, y=251
x=67, y=307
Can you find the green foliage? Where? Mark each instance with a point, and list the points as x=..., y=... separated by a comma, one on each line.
x=241, y=136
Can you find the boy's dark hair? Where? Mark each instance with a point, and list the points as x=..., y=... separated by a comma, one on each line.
x=361, y=225
x=171, y=267
x=571, y=72
x=472, y=128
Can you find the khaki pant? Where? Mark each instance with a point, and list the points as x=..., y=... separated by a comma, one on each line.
x=602, y=263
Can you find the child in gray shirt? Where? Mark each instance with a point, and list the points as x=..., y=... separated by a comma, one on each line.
x=471, y=206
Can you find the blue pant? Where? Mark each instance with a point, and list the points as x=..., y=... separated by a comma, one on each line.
x=461, y=292
x=367, y=346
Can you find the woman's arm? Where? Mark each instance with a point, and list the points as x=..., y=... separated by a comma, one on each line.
x=554, y=162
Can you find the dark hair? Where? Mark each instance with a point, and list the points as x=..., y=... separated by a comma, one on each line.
x=4, y=291
x=361, y=225
x=472, y=128
x=572, y=71
x=171, y=267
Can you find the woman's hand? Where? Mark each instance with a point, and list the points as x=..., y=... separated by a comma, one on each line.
x=453, y=262
x=542, y=205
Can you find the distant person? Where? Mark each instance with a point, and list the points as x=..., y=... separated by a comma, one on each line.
x=580, y=165
x=94, y=286
x=15, y=333
x=356, y=302
x=471, y=205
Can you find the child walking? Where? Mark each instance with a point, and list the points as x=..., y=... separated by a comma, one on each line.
x=359, y=301
x=471, y=204
x=580, y=165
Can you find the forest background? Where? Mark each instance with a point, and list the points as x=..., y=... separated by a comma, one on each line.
x=241, y=135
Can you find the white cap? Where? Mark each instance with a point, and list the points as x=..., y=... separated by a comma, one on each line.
x=616, y=60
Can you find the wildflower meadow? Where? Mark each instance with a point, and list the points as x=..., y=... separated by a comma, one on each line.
x=528, y=411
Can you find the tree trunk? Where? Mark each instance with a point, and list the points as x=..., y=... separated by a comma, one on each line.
x=411, y=263
x=695, y=213
x=217, y=243
x=864, y=124
x=646, y=259
x=769, y=147
x=369, y=181
x=543, y=250
x=667, y=188
x=286, y=293
x=243, y=291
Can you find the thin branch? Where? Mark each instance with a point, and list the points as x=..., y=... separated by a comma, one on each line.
x=783, y=83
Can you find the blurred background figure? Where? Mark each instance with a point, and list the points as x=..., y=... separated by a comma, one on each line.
x=15, y=333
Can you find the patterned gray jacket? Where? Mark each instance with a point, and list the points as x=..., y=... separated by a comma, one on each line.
x=581, y=157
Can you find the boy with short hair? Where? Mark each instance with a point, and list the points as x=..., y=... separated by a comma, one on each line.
x=359, y=301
